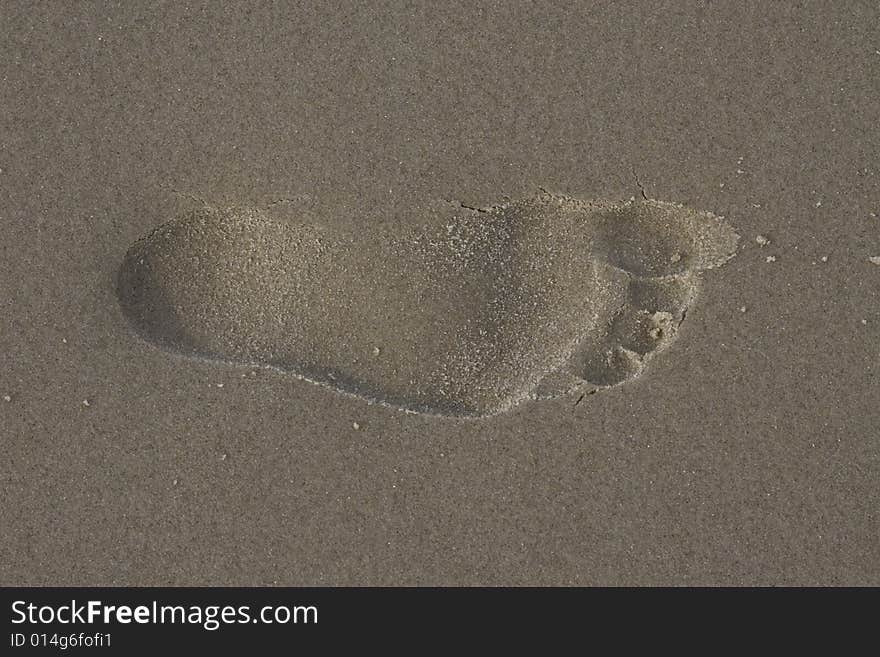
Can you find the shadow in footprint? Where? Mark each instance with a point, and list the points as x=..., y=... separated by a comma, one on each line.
x=525, y=300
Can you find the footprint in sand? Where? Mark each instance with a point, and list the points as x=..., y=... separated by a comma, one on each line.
x=531, y=299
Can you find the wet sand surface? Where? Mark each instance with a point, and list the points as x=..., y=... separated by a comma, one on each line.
x=747, y=452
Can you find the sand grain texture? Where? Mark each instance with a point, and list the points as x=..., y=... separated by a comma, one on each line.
x=745, y=452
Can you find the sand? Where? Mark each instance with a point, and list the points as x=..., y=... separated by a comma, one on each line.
x=492, y=307
x=745, y=453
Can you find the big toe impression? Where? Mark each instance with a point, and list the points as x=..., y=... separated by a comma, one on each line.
x=654, y=238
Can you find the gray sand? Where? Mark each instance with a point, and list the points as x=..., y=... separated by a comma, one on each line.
x=747, y=452
x=465, y=318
